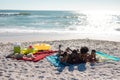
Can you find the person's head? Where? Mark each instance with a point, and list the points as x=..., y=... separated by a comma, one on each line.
x=93, y=51
x=84, y=50
x=74, y=51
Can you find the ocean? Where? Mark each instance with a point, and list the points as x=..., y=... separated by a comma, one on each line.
x=80, y=22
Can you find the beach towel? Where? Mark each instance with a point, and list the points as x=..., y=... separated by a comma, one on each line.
x=106, y=57
x=54, y=59
x=39, y=56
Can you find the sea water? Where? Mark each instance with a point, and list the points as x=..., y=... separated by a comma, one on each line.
x=87, y=22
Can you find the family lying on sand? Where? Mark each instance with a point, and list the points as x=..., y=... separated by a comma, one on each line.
x=69, y=56
x=76, y=56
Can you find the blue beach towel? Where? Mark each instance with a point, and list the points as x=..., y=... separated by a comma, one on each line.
x=109, y=57
x=54, y=60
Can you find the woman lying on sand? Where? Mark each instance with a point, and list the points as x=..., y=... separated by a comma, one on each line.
x=76, y=56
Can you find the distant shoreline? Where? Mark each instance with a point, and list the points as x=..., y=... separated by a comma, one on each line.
x=30, y=37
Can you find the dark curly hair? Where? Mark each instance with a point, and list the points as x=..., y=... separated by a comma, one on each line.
x=94, y=51
x=84, y=50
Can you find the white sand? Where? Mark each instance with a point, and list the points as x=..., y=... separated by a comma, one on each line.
x=25, y=37
x=24, y=70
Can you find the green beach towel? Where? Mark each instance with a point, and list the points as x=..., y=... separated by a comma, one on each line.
x=105, y=56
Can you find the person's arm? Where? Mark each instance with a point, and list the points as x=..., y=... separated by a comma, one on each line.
x=87, y=58
x=69, y=49
x=59, y=50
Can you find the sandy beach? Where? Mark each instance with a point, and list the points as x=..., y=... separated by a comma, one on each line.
x=86, y=24
x=11, y=69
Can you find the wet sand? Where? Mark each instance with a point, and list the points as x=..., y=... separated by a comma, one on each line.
x=50, y=36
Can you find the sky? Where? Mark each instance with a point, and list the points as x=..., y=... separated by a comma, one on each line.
x=60, y=4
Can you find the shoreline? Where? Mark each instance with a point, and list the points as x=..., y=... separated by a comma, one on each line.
x=31, y=37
